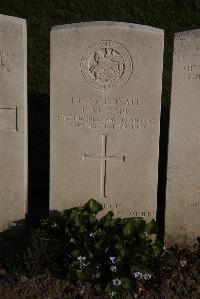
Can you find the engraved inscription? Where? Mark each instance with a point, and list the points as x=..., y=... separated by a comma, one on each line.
x=119, y=211
x=112, y=101
x=182, y=37
x=110, y=113
x=5, y=56
x=194, y=205
x=192, y=72
x=109, y=123
x=186, y=45
x=8, y=119
x=106, y=65
x=104, y=158
x=2, y=34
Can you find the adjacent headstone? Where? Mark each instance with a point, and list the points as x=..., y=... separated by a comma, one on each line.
x=13, y=121
x=183, y=184
x=105, y=111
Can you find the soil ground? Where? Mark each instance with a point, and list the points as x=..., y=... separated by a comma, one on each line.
x=183, y=282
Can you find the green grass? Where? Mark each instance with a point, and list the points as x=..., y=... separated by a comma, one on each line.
x=41, y=15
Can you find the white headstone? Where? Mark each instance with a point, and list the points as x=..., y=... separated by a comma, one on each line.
x=183, y=184
x=13, y=120
x=105, y=113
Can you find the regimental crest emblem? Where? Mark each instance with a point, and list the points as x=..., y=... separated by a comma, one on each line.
x=106, y=65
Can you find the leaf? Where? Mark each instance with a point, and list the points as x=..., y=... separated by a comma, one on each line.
x=140, y=225
x=75, y=253
x=106, y=221
x=81, y=275
x=146, y=259
x=129, y=228
x=67, y=231
x=93, y=206
x=121, y=248
x=168, y=259
x=100, y=245
x=92, y=219
x=151, y=227
x=100, y=233
x=143, y=235
x=126, y=283
x=75, y=212
x=134, y=268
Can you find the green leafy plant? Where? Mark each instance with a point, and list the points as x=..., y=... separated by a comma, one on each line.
x=117, y=254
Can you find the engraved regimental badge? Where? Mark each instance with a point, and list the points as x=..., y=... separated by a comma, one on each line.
x=106, y=65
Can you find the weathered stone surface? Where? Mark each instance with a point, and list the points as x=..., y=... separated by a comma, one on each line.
x=183, y=187
x=105, y=110
x=13, y=120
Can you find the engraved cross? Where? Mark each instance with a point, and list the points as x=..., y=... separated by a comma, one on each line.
x=104, y=158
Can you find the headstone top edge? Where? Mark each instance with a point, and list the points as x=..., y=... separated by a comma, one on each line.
x=186, y=33
x=108, y=24
x=12, y=19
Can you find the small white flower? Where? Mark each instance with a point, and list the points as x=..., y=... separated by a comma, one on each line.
x=164, y=248
x=146, y=276
x=92, y=235
x=138, y=275
x=116, y=281
x=113, y=259
x=113, y=268
x=156, y=253
x=183, y=263
x=82, y=258
x=82, y=290
x=54, y=224
x=113, y=294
